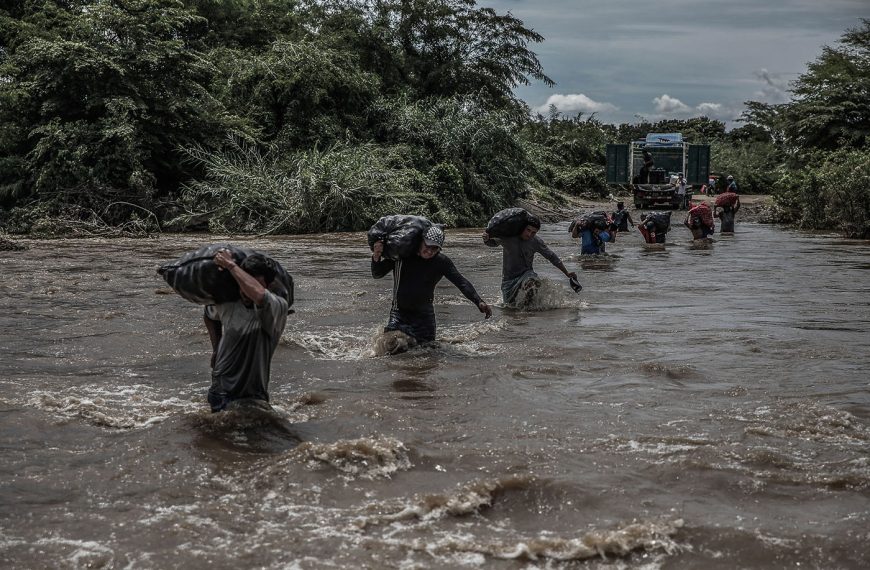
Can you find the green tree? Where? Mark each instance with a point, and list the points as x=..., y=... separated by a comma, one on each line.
x=568, y=151
x=831, y=108
x=754, y=164
x=831, y=103
x=845, y=175
x=695, y=130
x=482, y=146
x=822, y=137
x=296, y=93
x=248, y=24
x=437, y=48
x=97, y=97
x=830, y=192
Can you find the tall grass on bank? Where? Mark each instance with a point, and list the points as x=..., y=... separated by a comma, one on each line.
x=247, y=189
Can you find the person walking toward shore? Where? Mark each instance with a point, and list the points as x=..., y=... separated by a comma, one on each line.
x=699, y=220
x=518, y=274
x=414, y=281
x=726, y=210
x=244, y=333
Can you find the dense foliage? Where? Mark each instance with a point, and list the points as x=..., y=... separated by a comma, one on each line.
x=278, y=115
x=320, y=115
x=823, y=136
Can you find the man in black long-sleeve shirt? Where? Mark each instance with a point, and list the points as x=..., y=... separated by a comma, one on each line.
x=414, y=281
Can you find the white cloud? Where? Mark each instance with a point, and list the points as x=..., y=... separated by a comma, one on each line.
x=668, y=107
x=667, y=104
x=574, y=103
x=710, y=109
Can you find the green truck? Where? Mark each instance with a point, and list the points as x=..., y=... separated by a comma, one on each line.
x=650, y=167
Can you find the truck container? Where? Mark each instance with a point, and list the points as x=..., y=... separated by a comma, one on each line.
x=650, y=166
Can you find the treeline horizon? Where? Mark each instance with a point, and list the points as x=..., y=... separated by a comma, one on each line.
x=295, y=116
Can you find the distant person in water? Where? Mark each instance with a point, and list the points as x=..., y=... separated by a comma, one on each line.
x=700, y=222
x=732, y=185
x=592, y=240
x=622, y=218
x=649, y=230
x=726, y=214
x=710, y=188
x=414, y=281
x=518, y=253
x=244, y=333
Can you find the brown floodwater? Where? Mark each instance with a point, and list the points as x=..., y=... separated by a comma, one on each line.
x=692, y=407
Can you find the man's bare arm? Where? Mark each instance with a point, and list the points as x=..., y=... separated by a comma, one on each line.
x=215, y=332
x=248, y=284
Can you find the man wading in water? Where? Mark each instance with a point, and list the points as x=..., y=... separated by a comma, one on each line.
x=414, y=280
x=517, y=274
x=622, y=218
x=244, y=333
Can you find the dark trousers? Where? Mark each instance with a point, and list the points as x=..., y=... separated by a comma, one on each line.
x=419, y=324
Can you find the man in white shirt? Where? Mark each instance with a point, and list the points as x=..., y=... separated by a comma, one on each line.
x=681, y=193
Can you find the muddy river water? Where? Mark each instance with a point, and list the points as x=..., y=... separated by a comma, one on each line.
x=691, y=408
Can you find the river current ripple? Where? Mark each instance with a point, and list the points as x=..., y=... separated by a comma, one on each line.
x=692, y=407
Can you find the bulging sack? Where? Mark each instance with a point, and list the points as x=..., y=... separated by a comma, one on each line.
x=703, y=213
x=401, y=234
x=726, y=200
x=196, y=277
x=662, y=221
x=598, y=220
x=510, y=223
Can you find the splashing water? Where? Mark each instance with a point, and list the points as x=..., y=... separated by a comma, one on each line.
x=546, y=297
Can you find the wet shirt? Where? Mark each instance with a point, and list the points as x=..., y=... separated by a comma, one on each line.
x=415, y=278
x=249, y=338
x=518, y=254
x=620, y=218
x=590, y=244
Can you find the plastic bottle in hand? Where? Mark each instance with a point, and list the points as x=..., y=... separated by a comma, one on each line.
x=575, y=284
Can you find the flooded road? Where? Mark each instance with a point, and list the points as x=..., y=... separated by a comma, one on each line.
x=689, y=408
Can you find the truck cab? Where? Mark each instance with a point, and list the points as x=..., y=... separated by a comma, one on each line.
x=648, y=166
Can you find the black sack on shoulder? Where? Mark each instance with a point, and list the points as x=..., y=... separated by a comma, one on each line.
x=662, y=221
x=196, y=277
x=401, y=234
x=590, y=222
x=510, y=222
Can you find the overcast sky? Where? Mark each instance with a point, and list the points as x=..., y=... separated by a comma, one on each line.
x=656, y=59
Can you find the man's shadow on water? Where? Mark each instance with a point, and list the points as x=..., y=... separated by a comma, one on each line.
x=247, y=428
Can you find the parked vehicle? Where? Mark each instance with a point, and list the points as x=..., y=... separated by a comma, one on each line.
x=648, y=167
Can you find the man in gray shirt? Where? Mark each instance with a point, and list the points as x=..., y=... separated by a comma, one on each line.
x=244, y=333
x=518, y=275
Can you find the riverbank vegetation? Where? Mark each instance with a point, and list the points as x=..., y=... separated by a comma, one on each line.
x=286, y=116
